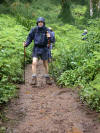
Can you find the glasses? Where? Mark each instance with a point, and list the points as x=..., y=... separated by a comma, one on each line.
x=40, y=22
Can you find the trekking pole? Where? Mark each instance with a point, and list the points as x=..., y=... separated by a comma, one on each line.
x=51, y=57
x=24, y=64
x=52, y=66
x=48, y=42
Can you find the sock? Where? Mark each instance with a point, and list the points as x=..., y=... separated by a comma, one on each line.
x=46, y=75
x=33, y=75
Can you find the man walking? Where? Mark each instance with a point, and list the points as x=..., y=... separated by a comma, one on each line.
x=40, y=34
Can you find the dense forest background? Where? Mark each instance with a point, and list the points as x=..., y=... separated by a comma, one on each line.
x=76, y=62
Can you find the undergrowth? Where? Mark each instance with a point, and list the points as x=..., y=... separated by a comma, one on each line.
x=76, y=62
x=12, y=36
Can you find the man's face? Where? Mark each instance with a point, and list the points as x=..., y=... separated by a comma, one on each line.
x=40, y=23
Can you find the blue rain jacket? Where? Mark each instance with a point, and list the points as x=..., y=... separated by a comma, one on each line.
x=38, y=34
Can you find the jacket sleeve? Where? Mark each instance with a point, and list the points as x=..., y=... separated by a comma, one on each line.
x=30, y=37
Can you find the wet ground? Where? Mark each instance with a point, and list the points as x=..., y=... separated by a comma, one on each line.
x=48, y=109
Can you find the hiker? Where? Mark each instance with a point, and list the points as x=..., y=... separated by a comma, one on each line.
x=40, y=34
x=51, y=44
x=84, y=35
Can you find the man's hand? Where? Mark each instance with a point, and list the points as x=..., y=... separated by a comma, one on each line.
x=48, y=34
x=24, y=44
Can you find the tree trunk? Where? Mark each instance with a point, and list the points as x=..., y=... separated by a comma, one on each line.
x=99, y=5
x=95, y=7
x=91, y=8
x=65, y=10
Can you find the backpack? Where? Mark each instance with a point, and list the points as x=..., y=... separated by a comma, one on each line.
x=40, y=38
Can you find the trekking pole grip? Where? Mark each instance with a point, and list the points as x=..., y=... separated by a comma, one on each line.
x=48, y=42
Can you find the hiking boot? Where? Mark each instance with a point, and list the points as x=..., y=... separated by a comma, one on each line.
x=34, y=80
x=48, y=81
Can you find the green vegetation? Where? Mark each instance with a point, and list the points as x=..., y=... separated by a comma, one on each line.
x=76, y=61
x=11, y=56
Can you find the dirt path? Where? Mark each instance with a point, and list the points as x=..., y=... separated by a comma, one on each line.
x=49, y=109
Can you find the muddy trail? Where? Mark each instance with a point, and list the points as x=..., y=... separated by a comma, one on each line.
x=48, y=109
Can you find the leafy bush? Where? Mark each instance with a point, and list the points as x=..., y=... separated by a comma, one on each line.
x=77, y=62
x=12, y=36
x=91, y=93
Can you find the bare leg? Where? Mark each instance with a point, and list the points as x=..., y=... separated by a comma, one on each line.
x=34, y=64
x=48, y=80
x=45, y=63
x=34, y=78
